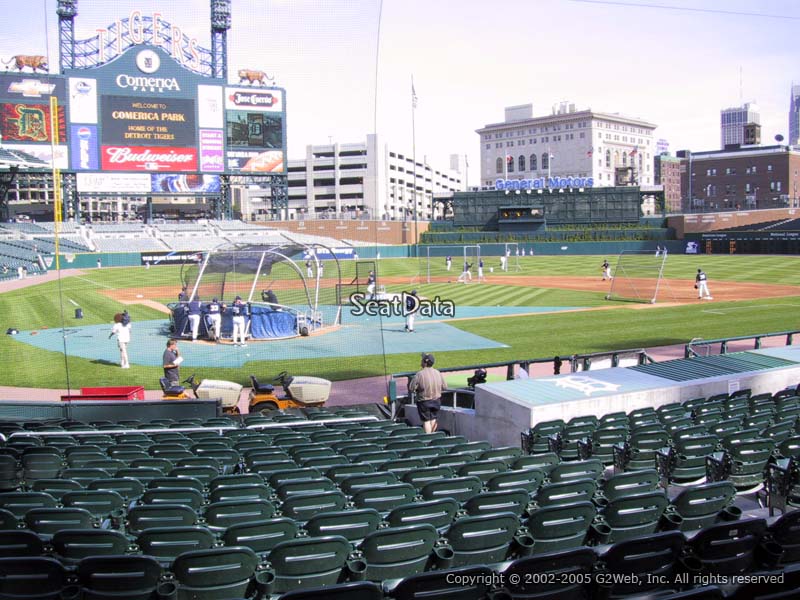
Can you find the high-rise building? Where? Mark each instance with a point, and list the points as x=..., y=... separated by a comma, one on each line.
x=567, y=143
x=733, y=122
x=794, y=116
x=367, y=179
x=662, y=146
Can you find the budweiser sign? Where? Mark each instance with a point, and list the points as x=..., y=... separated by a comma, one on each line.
x=141, y=158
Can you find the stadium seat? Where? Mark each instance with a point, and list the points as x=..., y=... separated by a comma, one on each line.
x=702, y=505
x=728, y=548
x=527, y=479
x=176, y=482
x=397, y=551
x=204, y=474
x=40, y=463
x=578, y=490
x=262, y=536
x=100, y=503
x=786, y=532
x=245, y=491
x=419, y=478
x=439, y=513
x=482, y=469
x=308, y=562
x=19, y=503
x=302, y=507
x=460, y=489
x=130, y=489
x=513, y=500
x=221, y=515
x=118, y=577
x=47, y=521
x=237, y=479
x=353, y=483
x=166, y=543
x=14, y=544
x=544, y=462
x=315, y=485
x=581, y=469
x=426, y=453
x=55, y=487
x=508, y=454
x=384, y=498
x=690, y=453
x=401, y=466
x=162, y=465
x=482, y=539
x=7, y=520
x=562, y=575
x=187, y=496
x=632, y=482
x=9, y=473
x=281, y=476
x=84, y=475
x=339, y=473
x=159, y=515
x=647, y=561
x=31, y=578
x=354, y=525
x=633, y=515
x=453, y=461
x=560, y=527
x=73, y=545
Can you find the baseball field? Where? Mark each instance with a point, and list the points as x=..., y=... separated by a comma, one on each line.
x=550, y=305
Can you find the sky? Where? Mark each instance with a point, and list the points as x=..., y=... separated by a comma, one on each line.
x=347, y=65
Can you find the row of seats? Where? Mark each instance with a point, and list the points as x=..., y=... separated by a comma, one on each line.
x=399, y=559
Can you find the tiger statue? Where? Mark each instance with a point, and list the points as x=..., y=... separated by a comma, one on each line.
x=253, y=77
x=24, y=60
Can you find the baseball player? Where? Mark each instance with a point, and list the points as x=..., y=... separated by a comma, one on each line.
x=480, y=270
x=239, y=311
x=371, y=284
x=466, y=274
x=411, y=309
x=309, y=269
x=449, y=262
x=606, y=268
x=195, y=312
x=503, y=262
x=214, y=312
x=701, y=285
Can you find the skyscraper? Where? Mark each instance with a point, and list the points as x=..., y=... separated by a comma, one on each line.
x=794, y=116
x=733, y=121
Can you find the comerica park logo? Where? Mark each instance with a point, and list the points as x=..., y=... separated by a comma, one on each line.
x=400, y=305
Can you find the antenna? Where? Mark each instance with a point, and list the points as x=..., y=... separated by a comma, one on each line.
x=741, y=100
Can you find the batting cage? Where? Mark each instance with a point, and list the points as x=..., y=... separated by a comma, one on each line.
x=638, y=277
x=278, y=290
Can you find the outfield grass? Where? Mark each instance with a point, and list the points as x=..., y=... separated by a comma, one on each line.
x=50, y=304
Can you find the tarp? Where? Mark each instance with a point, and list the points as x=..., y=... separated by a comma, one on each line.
x=266, y=323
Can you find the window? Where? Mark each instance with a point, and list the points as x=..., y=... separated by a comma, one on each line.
x=521, y=161
x=488, y=146
x=608, y=159
x=545, y=161
x=769, y=168
x=533, y=162
x=499, y=165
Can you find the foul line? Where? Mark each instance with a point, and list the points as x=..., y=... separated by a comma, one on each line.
x=73, y=302
x=97, y=283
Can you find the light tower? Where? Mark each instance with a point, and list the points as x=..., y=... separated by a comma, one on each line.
x=67, y=11
x=220, y=23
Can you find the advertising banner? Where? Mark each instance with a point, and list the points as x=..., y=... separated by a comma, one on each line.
x=113, y=182
x=152, y=122
x=254, y=99
x=82, y=100
x=185, y=183
x=30, y=88
x=210, y=109
x=83, y=147
x=212, y=150
x=30, y=123
x=148, y=158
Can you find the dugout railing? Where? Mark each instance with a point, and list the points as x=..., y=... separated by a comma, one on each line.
x=691, y=349
x=462, y=398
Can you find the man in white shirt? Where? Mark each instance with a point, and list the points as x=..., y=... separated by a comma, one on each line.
x=122, y=329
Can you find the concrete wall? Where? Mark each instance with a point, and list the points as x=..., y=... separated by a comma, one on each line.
x=376, y=232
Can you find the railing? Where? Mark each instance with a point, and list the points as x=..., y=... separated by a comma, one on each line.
x=690, y=352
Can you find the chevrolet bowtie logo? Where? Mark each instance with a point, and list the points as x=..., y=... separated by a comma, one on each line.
x=31, y=88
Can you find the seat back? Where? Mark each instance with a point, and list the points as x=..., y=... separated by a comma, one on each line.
x=31, y=578
x=460, y=489
x=651, y=560
x=354, y=525
x=222, y=515
x=124, y=577
x=560, y=527
x=161, y=515
x=215, y=573
x=634, y=515
x=384, y=498
x=569, y=492
x=261, y=537
x=166, y=543
x=563, y=574
x=308, y=562
x=728, y=548
x=700, y=505
x=398, y=551
x=20, y=543
x=439, y=513
x=73, y=545
x=47, y=521
x=514, y=501
x=482, y=539
x=302, y=507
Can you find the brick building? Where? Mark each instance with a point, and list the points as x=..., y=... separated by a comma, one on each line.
x=667, y=173
x=747, y=177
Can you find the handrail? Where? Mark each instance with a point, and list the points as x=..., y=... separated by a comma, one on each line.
x=689, y=351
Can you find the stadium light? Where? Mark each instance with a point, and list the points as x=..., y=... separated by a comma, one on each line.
x=517, y=192
x=561, y=190
x=508, y=192
x=580, y=189
x=540, y=191
x=528, y=192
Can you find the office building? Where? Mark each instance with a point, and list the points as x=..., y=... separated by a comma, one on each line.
x=794, y=116
x=734, y=121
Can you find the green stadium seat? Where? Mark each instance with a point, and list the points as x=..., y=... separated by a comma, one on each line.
x=166, y=543
x=482, y=469
x=237, y=479
x=350, y=485
x=261, y=537
x=187, y=496
x=55, y=487
x=243, y=492
x=277, y=478
x=421, y=477
x=561, y=575
x=527, y=479
x=84, y=475
x=453, y=461
x=20, y=543
x=31, y=578
x=401, y=466
x=581, y=469
x=339, y=473
x=159, y=515
x=47, y=521
x=384, y=498
x=702, y=505
x=19, y=503
x=426, y=453
x=439, y=513
x=73, y=545
x=398, y=551
x=544, y=461
x=118, y=577
x=556, y=494
x=560, y=527
x=634, y=515
x=482, y=539
x=514, y=501
x=222, y=515
x=638, y=566
x=728, y=548
x=301, y=507
x=9, y=473
x=130, y=489
x=352, y=524
x=460, y=489
x=176, y=482
x=100, y=503
x=308, y=562
x=8, y=521
x=315, y=485
x=620, y=485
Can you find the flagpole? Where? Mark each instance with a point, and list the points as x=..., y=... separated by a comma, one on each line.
x=414, y=153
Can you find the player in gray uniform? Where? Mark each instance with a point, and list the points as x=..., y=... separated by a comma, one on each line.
x=701, y=285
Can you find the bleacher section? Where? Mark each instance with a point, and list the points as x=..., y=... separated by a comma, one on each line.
x=121, y=244
x=781, y=225
x=338, y=503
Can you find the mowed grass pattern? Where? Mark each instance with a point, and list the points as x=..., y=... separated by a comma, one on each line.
x=537, y=336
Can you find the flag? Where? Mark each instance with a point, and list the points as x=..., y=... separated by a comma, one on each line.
x=634, y=151
x=509, y=159
x=590, y=152
x=413, y=95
